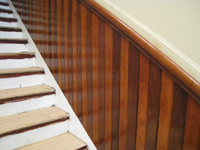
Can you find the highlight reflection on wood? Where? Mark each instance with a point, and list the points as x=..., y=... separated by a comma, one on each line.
x=123, y=99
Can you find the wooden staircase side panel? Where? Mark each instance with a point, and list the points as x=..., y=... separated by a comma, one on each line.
x=151, y=92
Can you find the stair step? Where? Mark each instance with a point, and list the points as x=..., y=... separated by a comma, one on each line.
x=20, y=94
x=31, y=120
x=18, y=41
x=4, y=4
x=22, y=55
x=10, y=29
x=66, y=141
x=6, y=19
x=6, y=11
x=8, y=73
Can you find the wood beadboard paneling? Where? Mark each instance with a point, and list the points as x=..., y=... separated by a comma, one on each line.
x=124, y=99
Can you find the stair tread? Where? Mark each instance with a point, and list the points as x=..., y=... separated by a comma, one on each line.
x=66, y=141
x=29, y=120
x=13, y=94
x=6, y=11
x=11, y=29
x=8, y=19
x=17, y=55
x=20, y=71
x=4, y=3
x=20, y=41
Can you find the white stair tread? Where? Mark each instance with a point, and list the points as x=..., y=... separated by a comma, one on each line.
x=65, y=141
x=21, y=71
x=23, y=121
x=25, y=92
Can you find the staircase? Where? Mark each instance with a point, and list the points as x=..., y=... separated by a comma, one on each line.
x=34, y=113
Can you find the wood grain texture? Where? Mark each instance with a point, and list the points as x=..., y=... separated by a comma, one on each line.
x=74, y=57
x=116, y=89
x=165, y=116
x=187, y=82
x=89, y=70
x=66, y=75
x=178, y=118
x=79, y=61
x=70, y=54
x=95, y=59
x=101, y=82
x=142, y=102
x=133, y=78
x=123, y=93
x=108, y=86
x=84, y=65
x=153, y=106
x=192, y=130
x=133, y=99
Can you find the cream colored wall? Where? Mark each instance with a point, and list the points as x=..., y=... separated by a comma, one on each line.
x=172, y=26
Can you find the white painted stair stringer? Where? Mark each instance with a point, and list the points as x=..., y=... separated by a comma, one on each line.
x=75, y=127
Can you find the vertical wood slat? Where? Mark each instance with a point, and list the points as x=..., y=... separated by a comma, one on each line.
x=66, y=75
x=178, y=118
x=115, y=88
x=192, y=129
x=70, y=54
x=123, y=93
x=79, y=61
x=133, y=78
x=153, y=106
x=90, y=64
x=108, y=86
x=84, y=73
x=95, y=35
x=101, y=82
x=89, y=71
x=59, y=56
x=74, y=57
x=166, y=104
x=142, y=102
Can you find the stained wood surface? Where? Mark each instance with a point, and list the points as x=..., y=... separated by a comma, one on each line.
x=124, y=96
x=5, y=73
x=11, y=29
x=22, y=55
x=24, y=121
x=24, y=93
x=66, y=141
x=17, y=41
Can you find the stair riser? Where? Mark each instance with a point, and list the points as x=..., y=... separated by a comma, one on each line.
x=7, y=24
x=15, y=35
x=8, y=48
x=6, y=15
x=18, y=140
x=28, y=105
x=4, y=7
x=23, y=81
x=17, y=63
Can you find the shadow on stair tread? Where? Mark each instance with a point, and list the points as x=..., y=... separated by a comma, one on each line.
x=10, y=29
x=16, y=72
x=8, y=19
x=6, y=11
